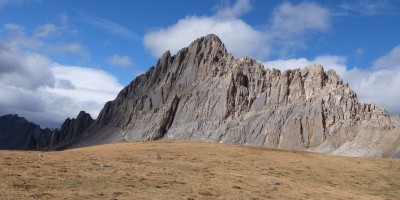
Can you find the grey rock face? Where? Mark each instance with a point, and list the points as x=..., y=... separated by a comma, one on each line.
x=17, y=133
x=71, y=131
x=202, y=93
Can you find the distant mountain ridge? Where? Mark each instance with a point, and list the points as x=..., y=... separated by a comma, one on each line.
x=17, y=133
x=202, y=93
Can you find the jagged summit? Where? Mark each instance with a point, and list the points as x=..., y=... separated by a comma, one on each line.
x=202, y=93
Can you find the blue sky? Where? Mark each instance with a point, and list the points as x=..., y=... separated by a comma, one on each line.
x=60, y=57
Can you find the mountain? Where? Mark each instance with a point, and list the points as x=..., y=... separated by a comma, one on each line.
x=70, y=131
x=16, y=132
x=204, y=94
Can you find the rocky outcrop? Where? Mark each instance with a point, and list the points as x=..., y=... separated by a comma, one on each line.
x=17, y=133
x=71, y=131
x=202, y=93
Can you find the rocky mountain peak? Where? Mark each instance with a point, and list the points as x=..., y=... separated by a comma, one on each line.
x=208, y=43
x=202, y=93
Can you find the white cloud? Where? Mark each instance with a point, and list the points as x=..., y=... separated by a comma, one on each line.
x=239, y=37
x=290, y=24
x=235, y=33
x=390, y=60
x=47, y=93
x=289, y=20
x=239, y=8
x=186, y=30
x=78, y=88
x=118, y=60
x=378, y=86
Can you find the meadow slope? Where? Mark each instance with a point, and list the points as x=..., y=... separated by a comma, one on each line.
x=193, y=170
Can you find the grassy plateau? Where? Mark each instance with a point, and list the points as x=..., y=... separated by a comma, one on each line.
x=193, y=170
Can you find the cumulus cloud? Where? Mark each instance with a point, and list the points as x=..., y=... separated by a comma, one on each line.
x=121, y=61
x=46, y=93
x=379, y=85
x=390, y=60
x=177, y=36
x=241, y=38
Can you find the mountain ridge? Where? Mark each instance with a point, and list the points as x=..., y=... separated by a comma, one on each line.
x=203, y=93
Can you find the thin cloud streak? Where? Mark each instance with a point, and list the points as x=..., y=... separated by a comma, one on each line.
x=107, y=25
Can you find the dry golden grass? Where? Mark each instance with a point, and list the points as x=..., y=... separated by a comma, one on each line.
x=192, y=170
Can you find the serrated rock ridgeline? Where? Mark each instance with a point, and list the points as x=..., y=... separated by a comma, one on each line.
x=203, y=93
x=71, y=130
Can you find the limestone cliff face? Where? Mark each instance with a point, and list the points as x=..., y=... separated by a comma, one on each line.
x=203, y=93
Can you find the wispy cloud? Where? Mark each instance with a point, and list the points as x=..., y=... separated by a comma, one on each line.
x=107, y=25
x=227, y=11
x=14, y=27
x=368, y=7
x=44, y=38
x=46, y=30
x=4, y=3
x=121, y=61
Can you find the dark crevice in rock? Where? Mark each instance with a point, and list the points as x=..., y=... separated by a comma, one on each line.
x=168, y=118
